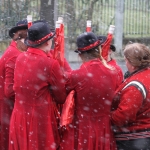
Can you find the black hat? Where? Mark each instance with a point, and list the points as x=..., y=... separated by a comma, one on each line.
x=21, y=25
x=112, y=47
x=38, y=34
x=42, y=20
x=87, y=41
x=102, y=37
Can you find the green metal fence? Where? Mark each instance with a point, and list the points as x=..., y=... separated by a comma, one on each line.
x=76, y=12
x=136, y=15
x=137, y=18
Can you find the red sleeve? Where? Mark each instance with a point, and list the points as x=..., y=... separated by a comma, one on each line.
x=67, y=67
x=57, y=83
x=120, y=76
x=68, y=81
x=130, y=103
x=9, y=78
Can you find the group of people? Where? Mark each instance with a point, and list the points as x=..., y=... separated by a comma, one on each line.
x=110, y=112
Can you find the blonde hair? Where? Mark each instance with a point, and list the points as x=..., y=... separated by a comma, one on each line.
x=138, y=55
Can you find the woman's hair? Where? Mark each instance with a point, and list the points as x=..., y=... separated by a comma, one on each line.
x=138, y=55
x=95, y=53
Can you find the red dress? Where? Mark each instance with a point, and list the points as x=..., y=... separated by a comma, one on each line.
x=7, y=64
x=94, y=87
x=38, y=81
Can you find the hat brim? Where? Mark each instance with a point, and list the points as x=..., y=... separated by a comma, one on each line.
x=112, y=47
x=26, y=42
x=102, y=40
x=15, y=29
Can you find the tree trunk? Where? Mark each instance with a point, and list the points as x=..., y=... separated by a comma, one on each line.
x=47, y=11
x=71, y=27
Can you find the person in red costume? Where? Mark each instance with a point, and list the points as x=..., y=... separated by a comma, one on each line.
x=131, y=104
x=94, y=87
x=113, y=63
x=66, y=66
x=7, y=62
x=38, y=82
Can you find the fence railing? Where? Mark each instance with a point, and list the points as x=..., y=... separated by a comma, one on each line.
x=11, y=11
x=76, y=12
x=137, y=18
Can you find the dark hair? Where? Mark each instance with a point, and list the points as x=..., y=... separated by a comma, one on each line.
x=138, y=55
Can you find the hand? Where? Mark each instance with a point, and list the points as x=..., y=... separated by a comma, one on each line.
x=21, y=46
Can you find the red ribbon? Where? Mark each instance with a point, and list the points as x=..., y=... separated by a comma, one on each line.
x=90, y=46
x=41, y=40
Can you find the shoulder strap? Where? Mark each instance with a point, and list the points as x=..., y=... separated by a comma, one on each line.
x=139, y=86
